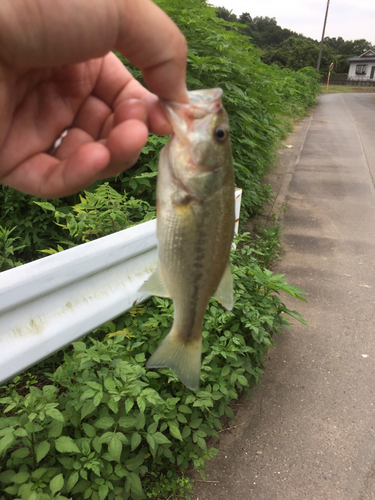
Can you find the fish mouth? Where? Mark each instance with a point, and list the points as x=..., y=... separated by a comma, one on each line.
x=201, y=103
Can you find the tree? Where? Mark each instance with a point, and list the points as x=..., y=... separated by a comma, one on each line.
x=226, y=14
x=296, y=53
x=345, y=49
x=245, y=18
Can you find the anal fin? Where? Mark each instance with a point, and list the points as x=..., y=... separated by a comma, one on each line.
x=224, y=292
x=155, y=285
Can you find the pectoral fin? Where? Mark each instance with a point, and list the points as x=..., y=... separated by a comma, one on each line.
x=224, y=292
x=155, y=285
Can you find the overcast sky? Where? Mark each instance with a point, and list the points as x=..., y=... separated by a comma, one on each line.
x=350, y=19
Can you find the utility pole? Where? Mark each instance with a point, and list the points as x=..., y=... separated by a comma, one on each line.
x=321, y=42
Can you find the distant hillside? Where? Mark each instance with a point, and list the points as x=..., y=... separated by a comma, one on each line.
x=289, y=49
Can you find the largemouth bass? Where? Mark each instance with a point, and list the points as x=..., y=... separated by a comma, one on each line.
x=195, y=225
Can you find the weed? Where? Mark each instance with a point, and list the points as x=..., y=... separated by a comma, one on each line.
x=101, y=425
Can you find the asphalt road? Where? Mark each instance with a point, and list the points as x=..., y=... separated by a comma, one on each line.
x=308, y=432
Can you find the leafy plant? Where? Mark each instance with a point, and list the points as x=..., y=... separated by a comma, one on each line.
x=101, y=425
x=100, y=213
x=28, y=223
x=7, y=249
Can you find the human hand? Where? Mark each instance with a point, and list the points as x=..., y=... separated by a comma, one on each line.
x=57, y=72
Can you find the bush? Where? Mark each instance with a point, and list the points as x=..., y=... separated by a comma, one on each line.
x=101, y=425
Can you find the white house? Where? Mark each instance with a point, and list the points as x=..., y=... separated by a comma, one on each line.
x=363, y=66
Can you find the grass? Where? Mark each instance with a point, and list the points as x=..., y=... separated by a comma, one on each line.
x=339, y=89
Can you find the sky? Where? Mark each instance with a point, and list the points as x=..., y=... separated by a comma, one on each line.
x=350, y=19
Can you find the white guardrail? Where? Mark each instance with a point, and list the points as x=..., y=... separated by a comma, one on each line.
x=46, y=304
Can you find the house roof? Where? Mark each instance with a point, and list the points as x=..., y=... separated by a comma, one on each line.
x=362, y=60
x=367, y=56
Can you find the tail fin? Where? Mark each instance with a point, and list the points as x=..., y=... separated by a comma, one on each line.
x=184, y=359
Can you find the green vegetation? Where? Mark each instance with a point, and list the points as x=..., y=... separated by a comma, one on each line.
x=289, y=49
x=340, y=89
x=91, y=421
x=100, y=422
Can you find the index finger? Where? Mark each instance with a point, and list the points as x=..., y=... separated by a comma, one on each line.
x=150, y=40
x=35, y=34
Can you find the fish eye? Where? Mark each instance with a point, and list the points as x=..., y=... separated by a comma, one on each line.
x=221, y=133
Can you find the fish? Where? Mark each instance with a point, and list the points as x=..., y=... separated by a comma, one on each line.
x=195, y=227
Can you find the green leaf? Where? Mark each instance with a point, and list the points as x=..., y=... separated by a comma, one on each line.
x=141, y=402
x=202, y=443
x=135, y=486
x=135, y=441
x=65, y=444
x=109, y=383
x=140, y=421
x=41, y=450
x=122, y=437
x=33, y=427
x=229, y=412
x=152, y=427
x=88, y=394
x=175, y=431
x=6, y=441
x=133, y=184
x=20, y=432
x=67, y=462
x=87, y=408
x=115, y=448
x=184, y=409
x=190, y=399
x=89, y=430
x=87, y=493
x=98, y=398
x=72, y=481
x=242, y=380
x=97, y=444
x=186, y=431
x=113, y=405
x=106, y=437
x=13, y=490
x=129, y=403
x=151, y=441
x=55, y=414
x=21, y=453
x=225, y=371
x=85, y=447
x=135, y=462
x=45, y=205
x=57, y=483
x=103, y=491
x=181, y=418
x=55, y=430
x=95, y=385
x=7, y=476
x=104, y=423
x=20, y=478
x=195, y=423
x=127, y=422
x=79, y=346
x=38, y=473
x=160, y=438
